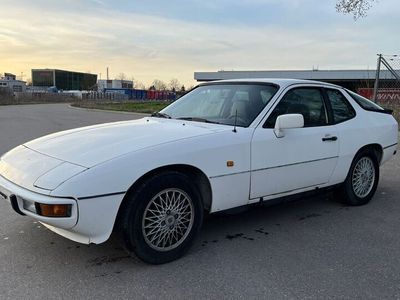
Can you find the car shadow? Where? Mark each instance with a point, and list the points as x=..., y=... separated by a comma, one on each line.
x=219, y=230
x=263, y=219
x=257, y=227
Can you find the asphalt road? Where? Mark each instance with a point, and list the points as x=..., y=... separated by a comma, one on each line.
x=313, y=248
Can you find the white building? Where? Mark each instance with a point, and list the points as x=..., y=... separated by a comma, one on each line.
x=114, y=84
x=355, y=80
x=9, y=81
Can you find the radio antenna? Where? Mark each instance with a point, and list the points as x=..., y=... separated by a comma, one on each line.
x=234, y=127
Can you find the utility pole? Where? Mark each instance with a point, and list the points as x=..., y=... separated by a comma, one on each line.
x=107, y=74
x=378, y=70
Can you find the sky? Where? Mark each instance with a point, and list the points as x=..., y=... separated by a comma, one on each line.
x=157, y=39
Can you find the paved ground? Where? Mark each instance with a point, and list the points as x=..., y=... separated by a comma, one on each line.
x=313, y=248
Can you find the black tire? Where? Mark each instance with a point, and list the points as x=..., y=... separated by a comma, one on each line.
x=132, y=224
x=347, y=191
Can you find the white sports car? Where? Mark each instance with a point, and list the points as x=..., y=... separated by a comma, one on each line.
x=224, y=144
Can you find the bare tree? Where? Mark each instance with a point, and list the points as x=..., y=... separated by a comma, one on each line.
x=140, y=85
x=174, y=84
x=191, y=87
x=133, y=82
x=121, y=76
x=358, y=8
x=159, y=85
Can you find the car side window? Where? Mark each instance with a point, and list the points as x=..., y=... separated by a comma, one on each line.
x=341, y=108
x=308, y=102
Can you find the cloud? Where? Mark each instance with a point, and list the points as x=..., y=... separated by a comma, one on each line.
x=89, y=36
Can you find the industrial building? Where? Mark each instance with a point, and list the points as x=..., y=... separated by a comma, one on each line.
x=63, y=80
x=9, y=81
x=114, y=84
x=350, y=79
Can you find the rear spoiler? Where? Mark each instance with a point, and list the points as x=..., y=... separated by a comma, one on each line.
x=387, y=111
x=382, y=111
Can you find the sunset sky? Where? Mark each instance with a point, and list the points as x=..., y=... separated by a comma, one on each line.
x=172, y=39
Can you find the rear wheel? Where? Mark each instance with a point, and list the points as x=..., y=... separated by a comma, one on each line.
x=162, y=218
x=362, y=180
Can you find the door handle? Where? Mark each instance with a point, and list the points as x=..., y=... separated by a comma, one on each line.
x=331, y=138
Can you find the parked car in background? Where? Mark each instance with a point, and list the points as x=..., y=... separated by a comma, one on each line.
x=224, y=144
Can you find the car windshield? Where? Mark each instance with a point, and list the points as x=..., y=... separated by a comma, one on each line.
x=222, y=103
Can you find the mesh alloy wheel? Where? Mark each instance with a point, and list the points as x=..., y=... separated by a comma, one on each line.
x=167, y=219
x=363, y=177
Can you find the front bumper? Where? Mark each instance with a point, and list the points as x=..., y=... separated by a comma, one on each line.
x=91, y=221
x=23, y=202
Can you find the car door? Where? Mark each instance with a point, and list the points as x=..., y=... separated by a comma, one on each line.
x=304, y=157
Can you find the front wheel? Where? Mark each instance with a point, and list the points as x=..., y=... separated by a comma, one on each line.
x=362, y=180
x=162, y=218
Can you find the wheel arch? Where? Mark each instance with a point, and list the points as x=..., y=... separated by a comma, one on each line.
x=196, y=175
x=343, y=190
x=376, y=148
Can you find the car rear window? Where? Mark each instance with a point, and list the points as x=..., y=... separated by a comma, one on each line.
x=364, y=102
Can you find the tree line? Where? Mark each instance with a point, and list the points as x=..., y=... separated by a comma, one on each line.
x=158, y=85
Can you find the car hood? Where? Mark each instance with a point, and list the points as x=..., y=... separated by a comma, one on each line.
x=89, y=146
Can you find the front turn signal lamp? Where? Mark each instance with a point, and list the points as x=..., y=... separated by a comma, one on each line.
x=53, y=210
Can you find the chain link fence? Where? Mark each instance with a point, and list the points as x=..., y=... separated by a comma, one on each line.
x=387, y=83
x=8, y=97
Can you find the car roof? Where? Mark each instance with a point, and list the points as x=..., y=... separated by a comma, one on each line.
x=282, y=82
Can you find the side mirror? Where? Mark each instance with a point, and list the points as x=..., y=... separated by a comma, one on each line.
x=287, y=121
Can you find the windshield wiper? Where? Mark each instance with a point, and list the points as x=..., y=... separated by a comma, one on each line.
x=161, y=115
x=198, y=120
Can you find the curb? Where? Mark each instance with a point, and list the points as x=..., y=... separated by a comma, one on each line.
x=109, y=111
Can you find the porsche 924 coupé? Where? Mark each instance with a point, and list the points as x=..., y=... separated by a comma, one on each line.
x=223, y=145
